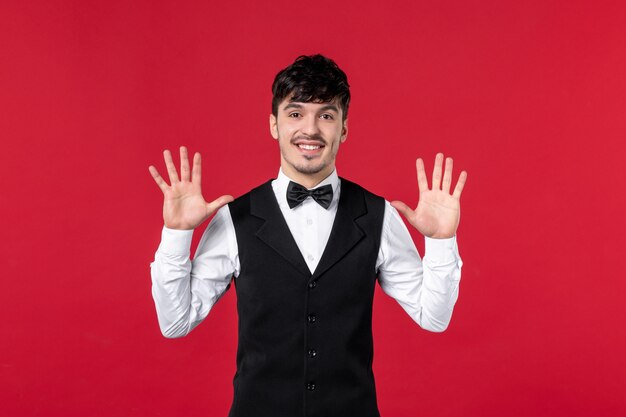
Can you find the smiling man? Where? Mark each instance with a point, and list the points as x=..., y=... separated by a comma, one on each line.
x=309, y=136
x=304, y=252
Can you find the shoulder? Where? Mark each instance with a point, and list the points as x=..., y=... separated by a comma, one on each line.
x=374, y=204
x=370, y=197
x=241, y=205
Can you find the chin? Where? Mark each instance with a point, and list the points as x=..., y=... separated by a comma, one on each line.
x=309, y=169
x=304, y=164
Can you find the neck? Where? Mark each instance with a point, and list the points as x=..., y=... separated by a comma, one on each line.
x=307, y=180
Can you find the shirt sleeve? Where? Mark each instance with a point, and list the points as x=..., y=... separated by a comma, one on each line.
x=426, y=290
x=185, y=290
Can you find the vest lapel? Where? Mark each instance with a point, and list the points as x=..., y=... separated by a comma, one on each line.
x=345, y=233
x=275, y=232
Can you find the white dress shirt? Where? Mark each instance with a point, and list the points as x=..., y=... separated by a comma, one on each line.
x=185, y=290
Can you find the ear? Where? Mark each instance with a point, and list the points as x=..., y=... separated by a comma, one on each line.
x=344, y=132
x=273, y=126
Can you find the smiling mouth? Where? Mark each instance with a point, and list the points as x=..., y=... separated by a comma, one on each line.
x=309, y=147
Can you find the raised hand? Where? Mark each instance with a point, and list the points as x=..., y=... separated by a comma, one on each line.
x=438, y=213
x=183, y=206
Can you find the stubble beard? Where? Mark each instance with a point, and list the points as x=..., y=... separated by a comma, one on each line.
x=307, y=169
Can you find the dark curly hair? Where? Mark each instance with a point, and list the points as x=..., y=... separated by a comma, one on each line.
x=312, y=78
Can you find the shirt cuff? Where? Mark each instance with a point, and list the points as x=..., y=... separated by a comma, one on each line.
x=175, y=242
x=440, y=251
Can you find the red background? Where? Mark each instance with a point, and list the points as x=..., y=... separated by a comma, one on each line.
x=529, y=98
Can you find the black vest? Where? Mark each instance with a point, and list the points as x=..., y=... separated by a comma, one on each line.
x=305, y=340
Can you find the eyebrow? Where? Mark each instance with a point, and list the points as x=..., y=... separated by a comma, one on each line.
x=323, y=108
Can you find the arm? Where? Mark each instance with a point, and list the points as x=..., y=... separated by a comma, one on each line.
x=183, y=290
x=426, y=290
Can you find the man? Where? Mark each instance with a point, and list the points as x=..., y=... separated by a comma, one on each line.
x=305, y=251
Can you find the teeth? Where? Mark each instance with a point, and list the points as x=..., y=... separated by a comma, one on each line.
x=309, y=147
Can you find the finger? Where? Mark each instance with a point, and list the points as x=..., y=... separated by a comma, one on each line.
x=196, y=173
x=215, y=205
x=171, y=169
x=157, y=178
x=437, y=172
x=460, y=184
x=422, y=182
x=402, y=208
x=447, y=176
x=184, y=164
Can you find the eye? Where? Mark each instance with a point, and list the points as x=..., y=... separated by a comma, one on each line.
x=327, y=116
x=294, y=114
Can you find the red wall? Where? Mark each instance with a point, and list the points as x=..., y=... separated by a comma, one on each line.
x=528, y=98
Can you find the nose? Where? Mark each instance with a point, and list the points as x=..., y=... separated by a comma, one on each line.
x=310, y=126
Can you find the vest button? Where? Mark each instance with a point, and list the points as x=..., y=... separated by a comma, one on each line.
x=311, y=318
x=312, y=284
x=312, y=353
x=310, y=386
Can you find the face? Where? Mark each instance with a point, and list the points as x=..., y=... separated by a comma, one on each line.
x=309, y=135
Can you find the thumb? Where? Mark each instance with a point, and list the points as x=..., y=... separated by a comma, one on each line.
x=402, y=208
x=216, y=204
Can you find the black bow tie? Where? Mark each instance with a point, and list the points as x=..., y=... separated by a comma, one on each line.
x=296, y=194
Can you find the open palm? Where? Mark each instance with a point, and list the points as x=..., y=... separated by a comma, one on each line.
x=184, y=206
x=438, y=212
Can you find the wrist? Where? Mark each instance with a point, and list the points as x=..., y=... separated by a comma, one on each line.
x=171, y=226
x=441, y=236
